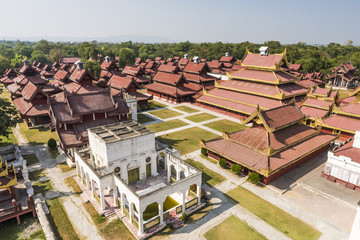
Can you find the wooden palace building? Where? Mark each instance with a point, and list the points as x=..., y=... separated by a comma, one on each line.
x=276, y=144
x=261, y=81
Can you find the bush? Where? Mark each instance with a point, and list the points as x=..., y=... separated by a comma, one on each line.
x=222, y=162
x=151, y=105
x=236, y=168
x=170, y=225
x=254, y=178
x=204, y=151
x=52, y=143
x=183, y=216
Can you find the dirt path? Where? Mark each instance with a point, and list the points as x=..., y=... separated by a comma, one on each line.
x=20, y=138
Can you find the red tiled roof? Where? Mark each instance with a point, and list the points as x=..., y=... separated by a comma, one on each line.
x=295, y=67
x=38, y=110
x=227, y=59
x=21, y=105
x=183, y=61
x=266, y=76
x=78, y=74
x=69, y=60
x=68, y=137
x=61, y=74
x=120, y=82
x=6, y=80
x=29, y=91
x=168, y=78
x=215, y=64
x=318, y=103
x=81, y=128
x=341, y=122
x=313, y=112
x=169, y=90
x=134, y=71
x=21, y=79
x=14, y=88
x=62, y=114
x=192, y=67
x=261, y=61
x=141, y=97
x=281, y=116
x=239, y=107
x=321, y=91
x=199, y=78
x=348, y=100
x=245, y=98
x=168, y=68
x=349, y=151
x=37, y=79
x=352, y=108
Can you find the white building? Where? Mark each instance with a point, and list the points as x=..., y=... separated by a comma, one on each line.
x=143, y=176
x=343, y=164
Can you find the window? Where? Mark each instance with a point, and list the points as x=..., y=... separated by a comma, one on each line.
x=117, y=170
x=148, y=159
x=133, y=175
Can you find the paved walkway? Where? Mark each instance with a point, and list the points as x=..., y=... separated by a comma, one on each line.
x=73, y=205
x=20, y=138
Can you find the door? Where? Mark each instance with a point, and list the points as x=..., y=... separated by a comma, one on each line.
x=148, y=170
x=133, y=175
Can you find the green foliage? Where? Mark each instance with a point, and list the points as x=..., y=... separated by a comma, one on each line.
x=222, y=162
x=170, y=225
x=4, y=63
x=236, y=168
x=17, y=60
x=52, y=143
x=183, y=216
x=38, y=56
x=93, y=67
x=254, y=178
x=8, y=117
x=88, y=50
x=42, y=46
x=26, y=51
x=126, y=57
x=204, y=151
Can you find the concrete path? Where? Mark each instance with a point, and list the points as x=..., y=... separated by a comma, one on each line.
x=73, y=205
x=20, y=138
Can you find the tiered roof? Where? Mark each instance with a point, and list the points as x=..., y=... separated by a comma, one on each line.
x=279, y=141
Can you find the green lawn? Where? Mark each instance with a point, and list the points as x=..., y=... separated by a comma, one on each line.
x=157, y=104
x=70, y=181
x=5, y=141
x=5, y=93
x=209, y=176
x=142, y=118
x=227, y=125
x=59, y=221
x=279, y=219
x=233, y=228
x=187, y=140
x=209, y=159
x=31, y=159
x=187, y=109
x=165, y=113
x=37, y=136
x=200, y=117
x=163, y=126
x=64, y=167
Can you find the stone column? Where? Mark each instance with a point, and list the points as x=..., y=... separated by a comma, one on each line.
x=115, y=193
x=168, y=173
x=161, y=214
x=87, y=182
x=198, y=191
x=122, y=203
x=177, y=171
x=131, y=211
x=141, y=224
x=102, y=199
x=183, y=202
x=92, y=189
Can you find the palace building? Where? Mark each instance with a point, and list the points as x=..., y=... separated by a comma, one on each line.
x=343, y=77
x=126, y=170
x=261, y=81
x=277, y=143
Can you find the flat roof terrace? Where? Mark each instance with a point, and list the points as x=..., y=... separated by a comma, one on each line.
x=120, y=131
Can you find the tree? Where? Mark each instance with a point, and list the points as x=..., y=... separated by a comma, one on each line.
x=38, y=56
x=8, y=117
x=55, y=55
x=126, y=57
x=4, y=64
x=236, y=168
x=204, y=151
x=26, y=51
x=222, y=162
x=254, y=178
x=43, y=46
x=93, y=67
x=52, y=143
x=17, y=60
x=87, y=50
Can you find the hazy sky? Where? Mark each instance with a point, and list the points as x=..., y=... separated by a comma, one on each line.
x=310, y=21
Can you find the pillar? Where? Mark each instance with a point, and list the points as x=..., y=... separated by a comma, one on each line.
x=183, y=202
x=177, y=171
x=168, y=173
x=161, y=214
x=102, y=200
x=92, y=189
x=198, y=191
x=115, y=193
x=131, y=211
x=141, y=225
x=87, y=182
x=122, y=203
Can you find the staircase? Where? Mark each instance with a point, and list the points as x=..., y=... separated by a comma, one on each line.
x=61, y=158
x=109, y=213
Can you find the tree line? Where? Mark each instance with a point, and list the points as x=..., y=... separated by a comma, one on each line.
x=312, y=57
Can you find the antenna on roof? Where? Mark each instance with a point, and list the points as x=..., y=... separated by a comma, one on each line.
x=107, y=59
x=79, y=64
x=264, y=51
x=227, y=54
x=196, y=59
x=186, y=56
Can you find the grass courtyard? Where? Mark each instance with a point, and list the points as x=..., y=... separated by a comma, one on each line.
x=187, y=140
x=31, y=159
x=186, y=109
x=37, y=136
x=233, y=228
x=157, y=104
x=208, y=176
x=279, y=219
x=142, y=118
x=200, y=117
x=227, y=125
x=165, y=113
x=5, y=141
x=164, y=126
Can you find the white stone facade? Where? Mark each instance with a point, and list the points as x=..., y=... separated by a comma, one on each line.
x=117, y=151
